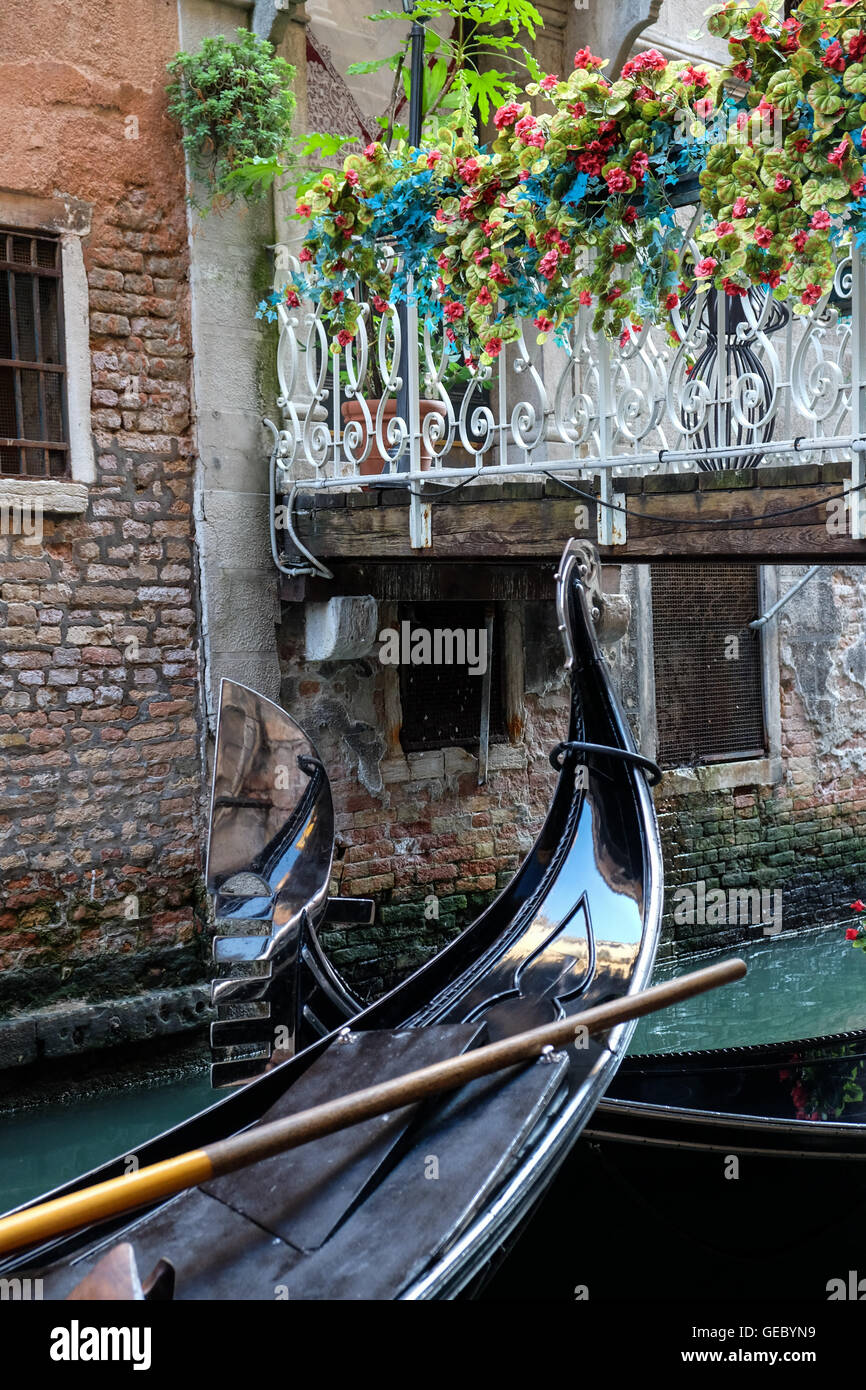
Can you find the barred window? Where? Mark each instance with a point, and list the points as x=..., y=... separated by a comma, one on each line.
x=34, y=441
x=441, y=701
x=707, y=663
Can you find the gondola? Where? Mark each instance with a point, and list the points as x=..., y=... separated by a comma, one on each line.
x=743, y=1166
x=421, y=1202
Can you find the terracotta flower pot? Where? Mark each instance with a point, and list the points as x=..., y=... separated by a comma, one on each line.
x=374, y=463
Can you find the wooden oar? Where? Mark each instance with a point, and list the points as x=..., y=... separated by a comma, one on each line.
x=161, y=1180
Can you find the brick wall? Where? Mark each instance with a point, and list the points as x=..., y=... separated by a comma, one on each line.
x=416, y=825
x=100, y=777
x=806, y=836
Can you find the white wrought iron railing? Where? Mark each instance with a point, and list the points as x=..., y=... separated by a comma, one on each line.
x=749, y=384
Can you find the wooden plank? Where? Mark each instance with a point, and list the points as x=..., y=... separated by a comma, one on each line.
x=422, y=581
x=762, y=522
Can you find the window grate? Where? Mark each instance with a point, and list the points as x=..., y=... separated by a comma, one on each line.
x=33, y=434
x=441, y=704
x=707, y=663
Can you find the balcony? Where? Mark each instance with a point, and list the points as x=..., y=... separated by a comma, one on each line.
x=748, y=386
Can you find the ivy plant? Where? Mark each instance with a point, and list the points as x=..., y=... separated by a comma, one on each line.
x=233, y=99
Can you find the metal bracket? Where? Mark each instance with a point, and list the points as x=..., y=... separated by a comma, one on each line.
x=420, y=521
x=610, y=524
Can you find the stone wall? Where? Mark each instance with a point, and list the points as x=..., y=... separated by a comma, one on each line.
x=805, y=836
x=416, y=831
x=100, y=767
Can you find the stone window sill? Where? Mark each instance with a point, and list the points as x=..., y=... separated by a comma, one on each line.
x=58, y=496
x=714, y=777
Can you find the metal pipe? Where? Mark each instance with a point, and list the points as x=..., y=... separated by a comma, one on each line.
x=416, y=120
x=624, y=461
x=780, y=603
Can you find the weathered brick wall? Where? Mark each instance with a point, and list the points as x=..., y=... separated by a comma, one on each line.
x=101, y=774
x=413, y=826
x=805, y=837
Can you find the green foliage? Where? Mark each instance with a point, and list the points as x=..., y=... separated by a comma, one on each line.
x=234, y=103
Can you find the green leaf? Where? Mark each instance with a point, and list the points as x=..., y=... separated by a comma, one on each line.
x=358, y=69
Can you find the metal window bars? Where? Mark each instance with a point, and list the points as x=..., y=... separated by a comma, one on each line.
x=33, y=432
x=748, y=384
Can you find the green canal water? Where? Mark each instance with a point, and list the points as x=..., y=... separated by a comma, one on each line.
x=797, y=987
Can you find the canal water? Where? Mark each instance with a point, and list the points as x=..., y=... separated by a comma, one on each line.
x=797, y=987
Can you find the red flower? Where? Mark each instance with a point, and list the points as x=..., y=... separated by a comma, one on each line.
x=811, y=294
x=693, y=77
x=584, y=59
x=757, y=30
x=650, y=61
x=468, y=169
x=506, y=115
x=493, y=347
x=851, y=934
x=617, y=180
x=833, y=57
x=858, y=906
x=453, y=310
x=838, y=153
x=857, y=46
